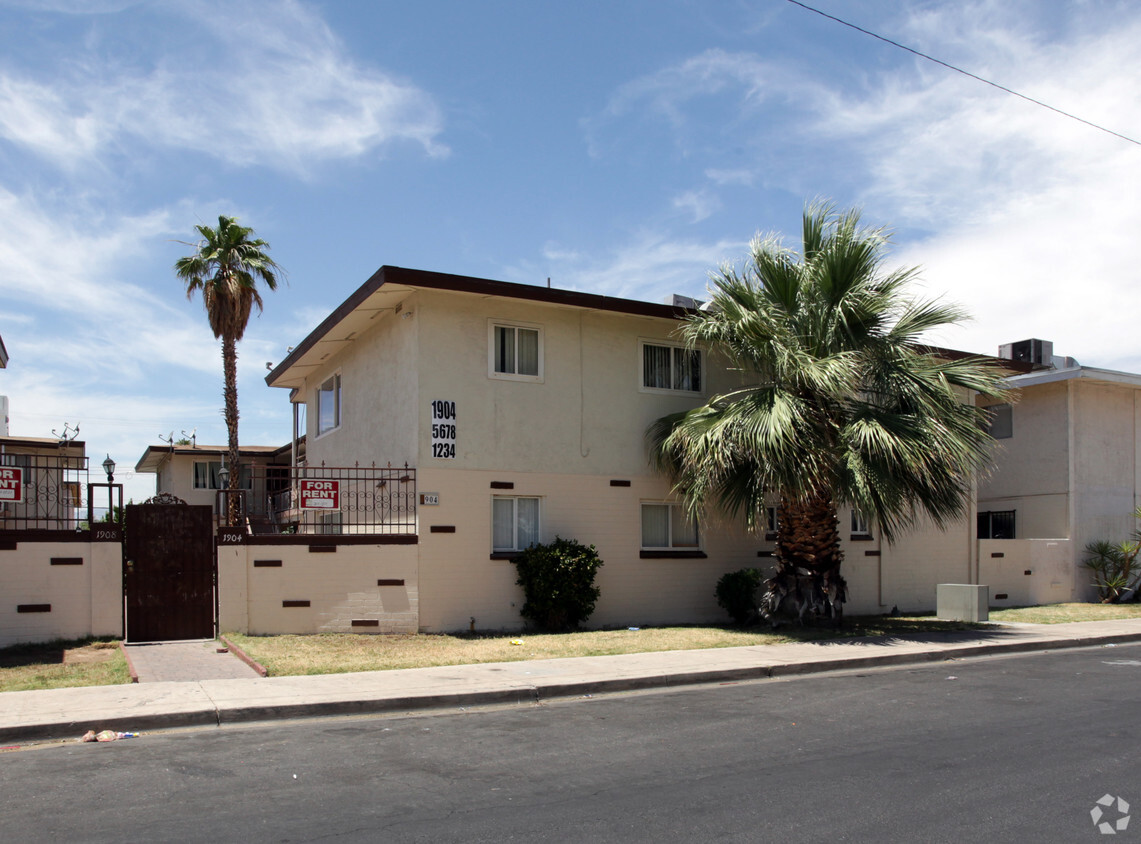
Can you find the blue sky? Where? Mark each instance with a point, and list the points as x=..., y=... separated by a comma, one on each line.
x=624, y=148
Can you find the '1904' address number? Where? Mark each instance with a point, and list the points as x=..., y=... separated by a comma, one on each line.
x=444, y=429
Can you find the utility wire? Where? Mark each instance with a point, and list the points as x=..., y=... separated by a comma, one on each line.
x=964, y=72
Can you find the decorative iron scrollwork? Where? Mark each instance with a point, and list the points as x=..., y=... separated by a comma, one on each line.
x=164, y=498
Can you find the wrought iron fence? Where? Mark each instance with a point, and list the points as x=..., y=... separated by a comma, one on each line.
x=324, y=500
x=43, y=491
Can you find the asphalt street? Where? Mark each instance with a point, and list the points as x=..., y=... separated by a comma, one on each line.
x=1015, y=748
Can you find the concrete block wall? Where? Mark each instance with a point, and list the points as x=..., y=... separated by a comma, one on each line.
x=60, y=590
x=318, y=588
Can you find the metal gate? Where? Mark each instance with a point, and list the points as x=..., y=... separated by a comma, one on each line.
x=169, y=572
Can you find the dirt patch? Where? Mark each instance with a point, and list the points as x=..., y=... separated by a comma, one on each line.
x=90, y=654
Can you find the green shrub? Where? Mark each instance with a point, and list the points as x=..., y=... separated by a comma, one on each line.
x=737, y=594
x=558, y=583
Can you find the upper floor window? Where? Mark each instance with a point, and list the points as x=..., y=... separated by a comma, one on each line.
x=671, y=368
x=514, y=523
x=329, y=404
x=516, y=351
x=1001, y=421
x=861, y=527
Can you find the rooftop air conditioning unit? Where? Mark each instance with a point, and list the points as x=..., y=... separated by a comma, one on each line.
x=1028, y=351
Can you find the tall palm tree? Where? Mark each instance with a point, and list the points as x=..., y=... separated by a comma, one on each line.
x=226, y=266
x=839, y=403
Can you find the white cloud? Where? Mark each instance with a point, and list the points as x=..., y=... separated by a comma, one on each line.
x=257, y=83
x=699, y=204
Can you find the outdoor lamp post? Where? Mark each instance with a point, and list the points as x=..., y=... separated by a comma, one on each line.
x=109, y=468
x=224, y=477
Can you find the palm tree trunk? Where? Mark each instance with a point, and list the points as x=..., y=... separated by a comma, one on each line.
x=230, y=395
x=808, y=536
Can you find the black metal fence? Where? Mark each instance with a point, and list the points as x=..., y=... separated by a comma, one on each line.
x=324, y=500
x=43, y=491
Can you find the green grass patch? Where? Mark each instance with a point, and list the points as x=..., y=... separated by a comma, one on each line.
x=62, y=664
x=1063, y=613
x=333, y=653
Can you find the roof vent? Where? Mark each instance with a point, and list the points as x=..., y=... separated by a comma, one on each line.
x=1028, y=351
x=679, y=301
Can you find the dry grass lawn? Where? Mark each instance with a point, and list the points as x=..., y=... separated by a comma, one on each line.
x=332, y=653
x=58, y=665
x=1061, y=613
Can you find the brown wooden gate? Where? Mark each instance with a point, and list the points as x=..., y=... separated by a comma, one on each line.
x=169, y=572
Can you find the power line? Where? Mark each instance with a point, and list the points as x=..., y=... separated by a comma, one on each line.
x=964, y=72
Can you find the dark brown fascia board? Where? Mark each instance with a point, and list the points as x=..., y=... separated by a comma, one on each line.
x=41, y=443
x=400, y=276
x=1020, y=367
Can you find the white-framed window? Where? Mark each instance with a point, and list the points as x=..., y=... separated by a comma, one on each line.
x=861, y=527
x=329, y=404
x=772, y=521
x=23, y=462
x=1001, y=421
x=514, y=522
x=671, y=368
x=666, y=527
x=206, y=475
x=515, y=351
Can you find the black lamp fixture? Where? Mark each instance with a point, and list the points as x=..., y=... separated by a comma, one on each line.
x=109, y=468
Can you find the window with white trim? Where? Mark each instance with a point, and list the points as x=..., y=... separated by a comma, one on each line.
x=514, y=522
x=329, y=405
x=861, y=527
x=672, y=368
x=515, y=351
x=666, y=527
x=772, y=521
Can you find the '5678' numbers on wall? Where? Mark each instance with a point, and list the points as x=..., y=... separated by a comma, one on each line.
x=444, y=429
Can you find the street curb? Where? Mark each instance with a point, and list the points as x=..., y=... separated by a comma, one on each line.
x=536, y=693
x=246, y=658
x=130, y=665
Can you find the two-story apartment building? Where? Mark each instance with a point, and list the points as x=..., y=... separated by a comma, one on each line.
x=523, y=410
x=1068, y=466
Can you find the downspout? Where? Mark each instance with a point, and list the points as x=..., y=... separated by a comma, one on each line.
x=293, y=441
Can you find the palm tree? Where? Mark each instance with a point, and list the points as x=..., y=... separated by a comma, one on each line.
x=839, y=404
x=226, y=266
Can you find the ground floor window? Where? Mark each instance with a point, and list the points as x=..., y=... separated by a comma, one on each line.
x=667, y=527
x=514, y=523
x=206, y=475
x=996, y=524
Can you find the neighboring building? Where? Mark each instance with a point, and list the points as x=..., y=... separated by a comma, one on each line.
x=193, y=473
x=41, y=483
x=1068, y=466
x=523, y=411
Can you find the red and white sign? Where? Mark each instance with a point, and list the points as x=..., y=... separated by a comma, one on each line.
x=320, y=495
x=11, y=484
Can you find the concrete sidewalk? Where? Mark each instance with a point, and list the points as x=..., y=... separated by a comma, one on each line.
x=67, y=713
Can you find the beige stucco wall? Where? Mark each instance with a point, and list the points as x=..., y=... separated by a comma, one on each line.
x=379, y=395
x=459, y=581
x=1027, y=571
x=85, y=599
x=340, y=586
x=1031, y=469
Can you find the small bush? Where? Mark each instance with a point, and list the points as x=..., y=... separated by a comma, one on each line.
x=737, y=594
x=558, y=583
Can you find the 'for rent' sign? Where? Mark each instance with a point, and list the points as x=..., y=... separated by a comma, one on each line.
x=11, y=484
x=320, y=495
